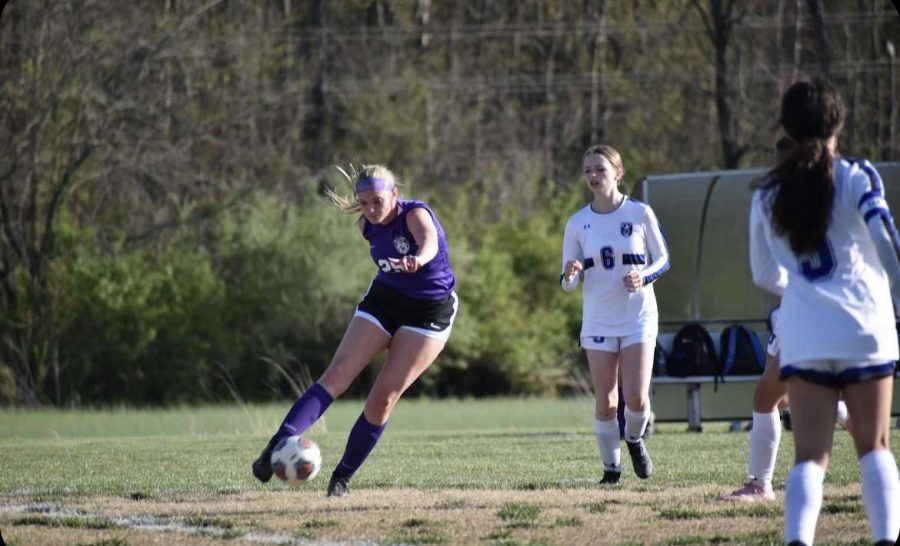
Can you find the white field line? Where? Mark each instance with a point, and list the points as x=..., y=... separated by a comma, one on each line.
x=152, y=523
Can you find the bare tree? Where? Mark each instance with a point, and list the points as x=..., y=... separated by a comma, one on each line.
x=892, y=148
x=720, y=19
x=598, y=121
x=83, y=133
x=823, y=53
x=46, y=143
x=316, y=122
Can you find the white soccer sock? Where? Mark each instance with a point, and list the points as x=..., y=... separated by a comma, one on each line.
x=607, y=433
x=842, y=413
x=802, y=502
x=635, y=424
x=765, y=437
x=881, y=493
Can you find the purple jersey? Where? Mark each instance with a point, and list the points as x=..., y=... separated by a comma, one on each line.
x=433, y=281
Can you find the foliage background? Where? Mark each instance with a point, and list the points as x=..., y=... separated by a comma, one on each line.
x=163, y=237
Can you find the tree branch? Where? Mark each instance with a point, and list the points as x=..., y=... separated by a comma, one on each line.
x=704, y=16
x=204, y=213
x=56, y=200
x=6, y=225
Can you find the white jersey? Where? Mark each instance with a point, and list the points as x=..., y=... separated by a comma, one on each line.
x=837, y=302
x=610, y=245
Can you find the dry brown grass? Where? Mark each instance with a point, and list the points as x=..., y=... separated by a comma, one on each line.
x=582, y=516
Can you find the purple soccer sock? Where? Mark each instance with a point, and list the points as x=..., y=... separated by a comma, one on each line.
x=305, y=411
x=361, y=442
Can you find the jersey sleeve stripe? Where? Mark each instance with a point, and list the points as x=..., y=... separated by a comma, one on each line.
x=874, y=177
x=665, y=267
x=652, y=277
x=874, y=194
x=875, y=199
x=876, y=212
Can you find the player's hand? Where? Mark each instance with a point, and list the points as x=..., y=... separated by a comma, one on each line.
x=407, y=264
x=573, y=269
x=633, y=281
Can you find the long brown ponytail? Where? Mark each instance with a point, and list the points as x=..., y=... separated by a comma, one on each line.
x=811, y=113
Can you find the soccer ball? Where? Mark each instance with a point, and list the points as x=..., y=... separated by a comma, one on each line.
x=296, y=459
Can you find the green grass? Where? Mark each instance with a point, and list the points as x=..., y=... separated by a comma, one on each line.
x=518, y=512
x=455, y=504
x=320, y=523
x=105, y=542
x=502, y=414
x=419, y=531
x=71, y=522
x=597, y=507
x=680, y=512
x=520, y=444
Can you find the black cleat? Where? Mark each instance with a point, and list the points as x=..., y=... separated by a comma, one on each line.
x=262, y=466
x=339, y=486
x=640, y=459
x=611, y=477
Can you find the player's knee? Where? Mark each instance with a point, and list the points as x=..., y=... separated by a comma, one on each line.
x=817, y=457
x=336, y=379
x=769, y=391
x=764, y=401
x=867, y=445
x=606, y=413
x=380, y=404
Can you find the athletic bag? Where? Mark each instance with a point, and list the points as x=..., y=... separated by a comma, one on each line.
x=660, y=360
x=741, y=352
x=693, y=353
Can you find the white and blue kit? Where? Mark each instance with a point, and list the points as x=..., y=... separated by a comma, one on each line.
x=837, y=323
x=609, y=245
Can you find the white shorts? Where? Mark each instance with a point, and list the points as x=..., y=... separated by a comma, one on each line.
x=614, y=344
x=837, y=373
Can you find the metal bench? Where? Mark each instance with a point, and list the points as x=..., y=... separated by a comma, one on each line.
x=693, y=385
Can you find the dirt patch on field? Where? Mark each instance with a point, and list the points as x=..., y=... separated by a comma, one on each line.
x=406, y=516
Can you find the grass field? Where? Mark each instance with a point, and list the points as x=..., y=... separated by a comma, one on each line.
x=497, y=472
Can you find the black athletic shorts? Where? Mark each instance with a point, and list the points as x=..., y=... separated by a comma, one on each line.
x=391, y=309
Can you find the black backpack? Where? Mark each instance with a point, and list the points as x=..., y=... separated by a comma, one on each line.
x=660, y=360
x=693, y=353
x=741, y=352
